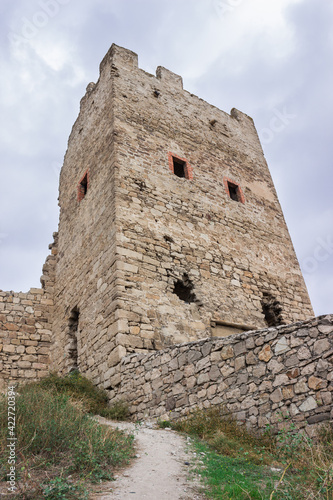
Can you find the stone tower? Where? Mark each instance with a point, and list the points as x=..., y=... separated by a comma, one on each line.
x=170, y=227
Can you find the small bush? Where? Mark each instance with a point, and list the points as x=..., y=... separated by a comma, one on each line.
x=116, y=411
x=92, y=399
x=83, y=394
x=164, y=424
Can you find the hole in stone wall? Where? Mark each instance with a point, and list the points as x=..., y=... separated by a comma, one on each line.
x=272, y=310
x=168, y=238
x=83, y=187
x=140, y=183
x=184, y=290
x=73, y=327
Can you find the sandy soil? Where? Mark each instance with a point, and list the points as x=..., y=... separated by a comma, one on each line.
x=161, y=470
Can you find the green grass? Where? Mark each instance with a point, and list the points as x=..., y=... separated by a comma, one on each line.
x=58, y=439
x=238, y=465
x=233, y=478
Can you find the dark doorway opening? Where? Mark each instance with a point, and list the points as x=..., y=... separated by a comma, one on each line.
x=73, y=325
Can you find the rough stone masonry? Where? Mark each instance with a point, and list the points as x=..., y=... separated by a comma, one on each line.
x=262, y=377
x=170, y=231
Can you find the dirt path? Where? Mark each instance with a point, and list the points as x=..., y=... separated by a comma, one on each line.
x=160, y=472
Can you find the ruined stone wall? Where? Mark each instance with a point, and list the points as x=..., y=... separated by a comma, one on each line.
x=25, y=336
x=260, y=376
x=26, y=328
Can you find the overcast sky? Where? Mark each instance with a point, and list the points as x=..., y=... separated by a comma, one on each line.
x=272, y=59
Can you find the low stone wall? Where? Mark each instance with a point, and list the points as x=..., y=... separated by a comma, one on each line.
x=261, y=376
x=25, y=336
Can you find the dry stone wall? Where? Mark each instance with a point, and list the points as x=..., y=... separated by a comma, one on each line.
x=262, y=377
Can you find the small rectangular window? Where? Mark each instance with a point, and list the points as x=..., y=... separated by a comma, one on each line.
x=233, y=190
x=180, y=167
x=83, y=186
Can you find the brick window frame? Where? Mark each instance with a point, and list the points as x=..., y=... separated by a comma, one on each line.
x=83, y=186
x=188, y=170
x=230, y=183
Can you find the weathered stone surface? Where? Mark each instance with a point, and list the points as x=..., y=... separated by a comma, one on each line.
x=203, y=378
x=325, y=329
x=251, y=358
x=214, y=373
x=227, y=352
x=304, y=353
x=239, y=363
x=309, y=404
x=117, y=354
x=263, y=389
x=321, y=346
x=326, y=398
x=280, y=380
x=202, y=364
x=291, y=374
x=322, y=417
x=281, y=346
x=259, y=370
x=265, y=354
x=170, y=403
x=276, y=396
x=25, y=336
x=301, y=387
x=239, y=348
x=316, y=383
x=288, y=392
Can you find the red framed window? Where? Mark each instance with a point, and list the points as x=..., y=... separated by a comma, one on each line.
x=180, y=167
x=83, y=186
x=233, y=190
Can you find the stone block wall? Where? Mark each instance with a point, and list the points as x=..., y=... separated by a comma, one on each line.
x=25, y=336
x=25, y=329
x=235, y=257
x=260, y=376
